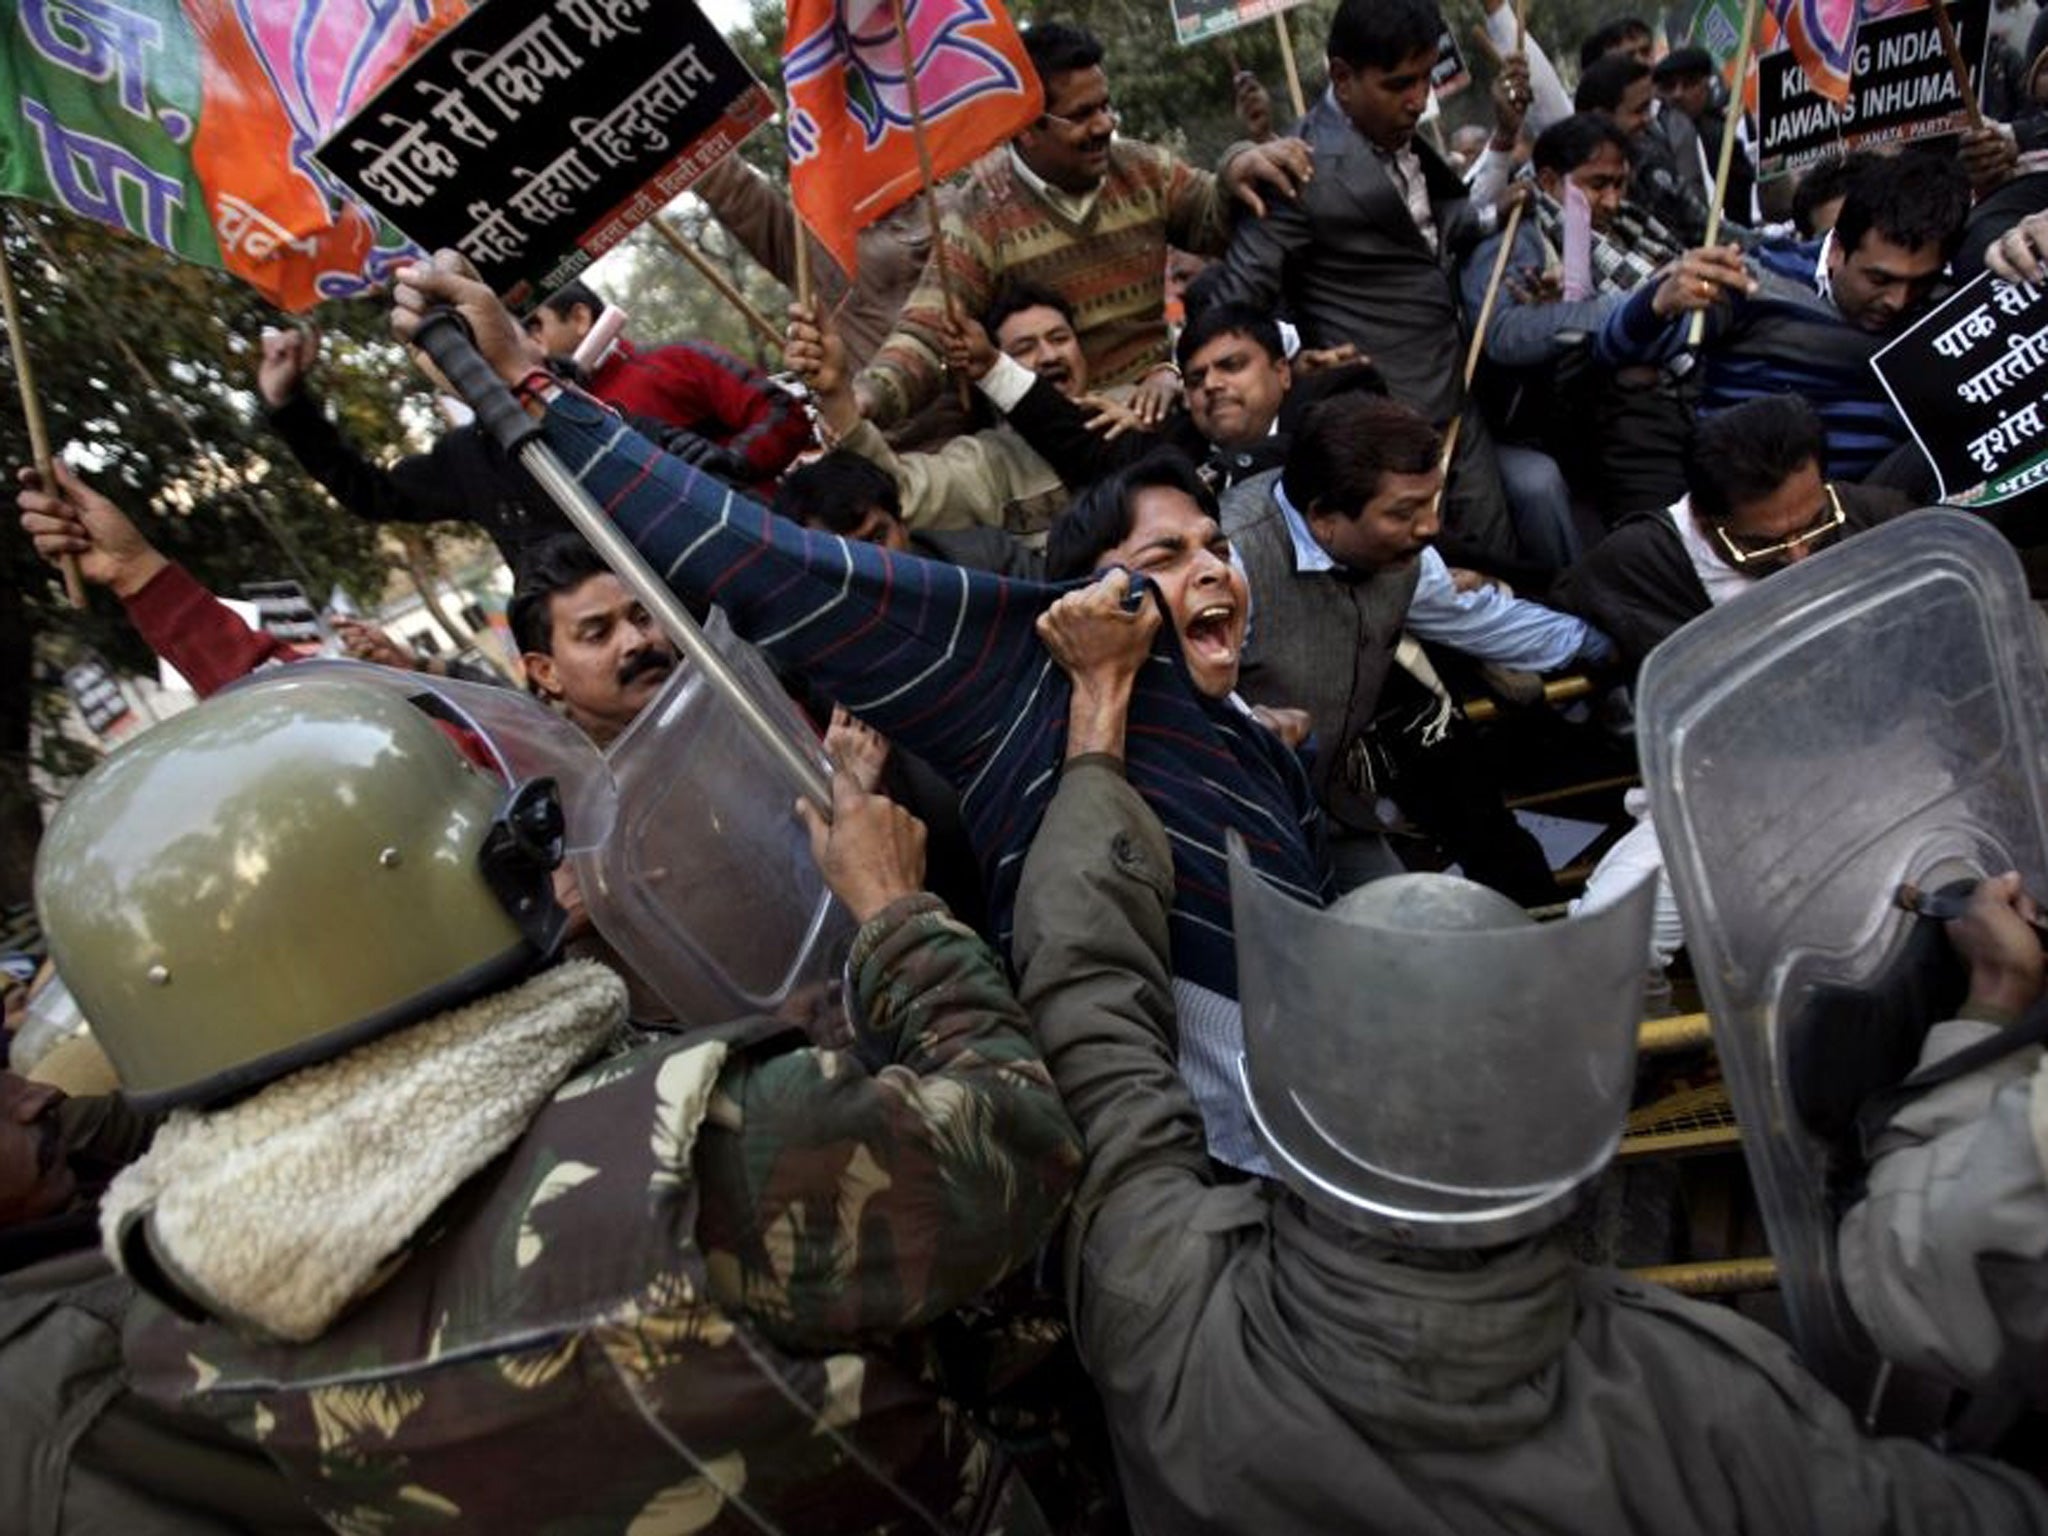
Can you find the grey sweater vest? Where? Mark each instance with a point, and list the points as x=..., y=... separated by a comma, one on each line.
x=1320, y=640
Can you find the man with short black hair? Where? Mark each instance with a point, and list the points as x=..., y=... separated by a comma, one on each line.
x=1240, y=388
x=1084, y=213
x=724, y=416
x=589, y=646
x=1364, y=255
x=1337, y=549
x=1757, y=500
x=1547, y=392
x=992, y=478
x=1619, y=87
x=1812, y=316
x=1629, y=36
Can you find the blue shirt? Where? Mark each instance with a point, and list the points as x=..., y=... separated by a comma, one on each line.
x=1487, y=623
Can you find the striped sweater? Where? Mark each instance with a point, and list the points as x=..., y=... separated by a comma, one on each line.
x=946, y=663
x=1786, y=338
x=1110, y=267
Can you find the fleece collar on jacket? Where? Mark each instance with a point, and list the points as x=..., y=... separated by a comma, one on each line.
x=276, y=1211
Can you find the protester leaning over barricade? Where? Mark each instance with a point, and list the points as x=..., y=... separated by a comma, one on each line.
x=1337, y=550
x=1238, y=385
x=504, y=1259
x=1809, y=317
x=1393, y=1336
x=1758, y=500
x=1084, y=213
x=724, y=416
x=1364, y=254
x=988, y=478
x=1616, y=437
x=945, y=662
x=1758, y=497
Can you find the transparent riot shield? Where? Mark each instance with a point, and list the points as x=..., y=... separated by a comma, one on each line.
x=1873, y=715
x=682, y=834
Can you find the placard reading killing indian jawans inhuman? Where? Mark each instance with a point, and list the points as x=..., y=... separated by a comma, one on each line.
x=1902, y=87
x=1971, y=379
x=536, y=134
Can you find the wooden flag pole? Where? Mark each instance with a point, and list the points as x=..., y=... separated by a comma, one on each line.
x=721, y=282
x=800, y=246
x=32, y=413
x=1697, y=330
x=1287, y=62
x=1521, y=25
x=926, y=179
x=801, y=252
x=1477, y=346
x=1493, y=280
x=1955, y=62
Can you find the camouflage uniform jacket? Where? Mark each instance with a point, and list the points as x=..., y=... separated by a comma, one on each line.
x=600, y=1331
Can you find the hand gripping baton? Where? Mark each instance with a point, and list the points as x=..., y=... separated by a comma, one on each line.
x=445, y=338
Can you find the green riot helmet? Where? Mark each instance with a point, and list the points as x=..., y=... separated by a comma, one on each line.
x=283, y=872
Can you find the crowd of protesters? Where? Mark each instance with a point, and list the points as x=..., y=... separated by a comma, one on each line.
x=1137, y=629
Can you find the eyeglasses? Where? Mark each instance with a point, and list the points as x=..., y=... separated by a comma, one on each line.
x=1086, y=115
x=1756, y=554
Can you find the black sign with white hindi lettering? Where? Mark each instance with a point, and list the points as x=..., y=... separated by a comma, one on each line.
x=1901, y=87
x=1971, y=379
x=536, y=134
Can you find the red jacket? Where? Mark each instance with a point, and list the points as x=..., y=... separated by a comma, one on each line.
x=709, y=392
x=211, y=647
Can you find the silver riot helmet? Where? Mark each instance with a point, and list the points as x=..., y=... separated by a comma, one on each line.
x=1429, y=1063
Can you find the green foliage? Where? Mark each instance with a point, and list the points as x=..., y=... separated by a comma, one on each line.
x=145, y=370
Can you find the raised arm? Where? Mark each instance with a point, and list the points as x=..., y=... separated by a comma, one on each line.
x=919, y=650
x=1945, y=1259
x=177, y=618
x=913, y=1171
x=1091, y=945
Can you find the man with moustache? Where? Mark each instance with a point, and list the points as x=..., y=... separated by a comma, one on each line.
x=947, y=662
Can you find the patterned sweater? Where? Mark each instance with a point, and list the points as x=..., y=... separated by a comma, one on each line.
x=1110, y=267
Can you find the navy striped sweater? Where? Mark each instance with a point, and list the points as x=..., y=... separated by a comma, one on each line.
x=945, y=662
x=1786, y=338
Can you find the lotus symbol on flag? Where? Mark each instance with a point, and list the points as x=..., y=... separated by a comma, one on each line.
x=953, y=69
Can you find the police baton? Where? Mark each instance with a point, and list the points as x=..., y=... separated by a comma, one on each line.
x=445, y=337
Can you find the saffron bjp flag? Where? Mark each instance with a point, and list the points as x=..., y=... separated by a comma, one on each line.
x=192, y=124
x=1822, y=36
x=852, y=152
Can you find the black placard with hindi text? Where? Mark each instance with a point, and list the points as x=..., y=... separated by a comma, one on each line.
x=1902, y=87
x=1971, y=379
x=535, y=134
